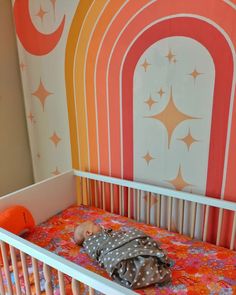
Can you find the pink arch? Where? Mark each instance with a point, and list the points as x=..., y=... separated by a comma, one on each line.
x=216, y=44
x=150, y=14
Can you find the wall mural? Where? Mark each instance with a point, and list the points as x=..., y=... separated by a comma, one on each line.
x=153, y=84
x=150, y=89
x=34, y=42
x=42, y=28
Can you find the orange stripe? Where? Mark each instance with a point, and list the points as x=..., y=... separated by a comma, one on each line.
x=90, y=95
x=79, y=80
x=114, y=109
x=69, y=66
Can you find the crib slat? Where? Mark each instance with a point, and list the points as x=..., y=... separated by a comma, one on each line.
x=120, y=201
x=48, y=279
x=91, y=291
x=88, y=191
x=193, y=219
x=158, y=211
x=233, y=233
x=85, y=191
x=206, y=223
x=181, y=216
x=6, y=267
x=219, y=226
x=169, y=213
x=15, y=270
x=138, y=197
x=75, y=287
x=61, y=283
x=25, y=272
x=2, y=290
x=103, y=196
x=100, y=195
x=112, y=197
x=134, y=204
x=82, y=189
x=148, y=208
x=129, y=202
x=96, y=193
x=123, y=200
x=36, y=276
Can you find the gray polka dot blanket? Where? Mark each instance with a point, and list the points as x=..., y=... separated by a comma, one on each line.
x=130, y=257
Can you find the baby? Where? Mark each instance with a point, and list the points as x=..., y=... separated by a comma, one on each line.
x=85, y=230
x=131, y=258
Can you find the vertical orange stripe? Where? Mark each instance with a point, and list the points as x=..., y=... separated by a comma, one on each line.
x=101, y=83
x=79, y=76
x=99, y=31
x=75, y=28
x=69, y=66
x=114, y=96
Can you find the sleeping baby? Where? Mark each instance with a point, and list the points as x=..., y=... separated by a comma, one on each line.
x=131, y=258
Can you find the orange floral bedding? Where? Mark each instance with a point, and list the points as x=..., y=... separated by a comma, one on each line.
x=199, y=268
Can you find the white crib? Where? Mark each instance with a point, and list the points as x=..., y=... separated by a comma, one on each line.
x=51, y=196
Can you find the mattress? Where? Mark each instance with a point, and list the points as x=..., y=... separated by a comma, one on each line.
x=199, y=268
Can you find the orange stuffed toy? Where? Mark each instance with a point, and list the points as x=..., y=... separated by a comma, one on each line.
x=16, y=219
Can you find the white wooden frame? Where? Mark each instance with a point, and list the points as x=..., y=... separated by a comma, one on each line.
x=47, y=198
x=169, y=194
x=159, y=190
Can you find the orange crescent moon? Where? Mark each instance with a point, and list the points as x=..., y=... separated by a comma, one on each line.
x=32, y=40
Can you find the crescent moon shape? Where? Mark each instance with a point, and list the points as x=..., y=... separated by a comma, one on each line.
x=32, y=40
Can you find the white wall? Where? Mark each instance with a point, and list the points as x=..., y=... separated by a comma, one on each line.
x=15, y=159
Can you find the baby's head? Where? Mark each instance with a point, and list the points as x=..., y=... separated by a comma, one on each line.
x=85, y=230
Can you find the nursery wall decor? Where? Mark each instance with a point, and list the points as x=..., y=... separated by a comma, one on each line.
x=154, y=85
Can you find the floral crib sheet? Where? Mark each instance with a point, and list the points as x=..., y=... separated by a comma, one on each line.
x=199, y=268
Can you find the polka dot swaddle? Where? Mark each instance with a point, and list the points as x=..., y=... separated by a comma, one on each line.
x=131, y=258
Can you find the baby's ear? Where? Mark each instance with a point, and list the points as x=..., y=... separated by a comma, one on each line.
x=88, y=233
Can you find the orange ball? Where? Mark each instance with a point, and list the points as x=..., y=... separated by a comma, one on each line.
x=16, y=219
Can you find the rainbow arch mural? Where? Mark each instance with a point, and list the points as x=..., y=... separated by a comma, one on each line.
x=113, y=51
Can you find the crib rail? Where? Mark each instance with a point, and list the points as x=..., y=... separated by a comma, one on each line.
x=135, y=200
x=80, y=277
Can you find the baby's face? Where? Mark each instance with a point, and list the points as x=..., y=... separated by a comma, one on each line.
x=93, y=228
x=85, y=230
